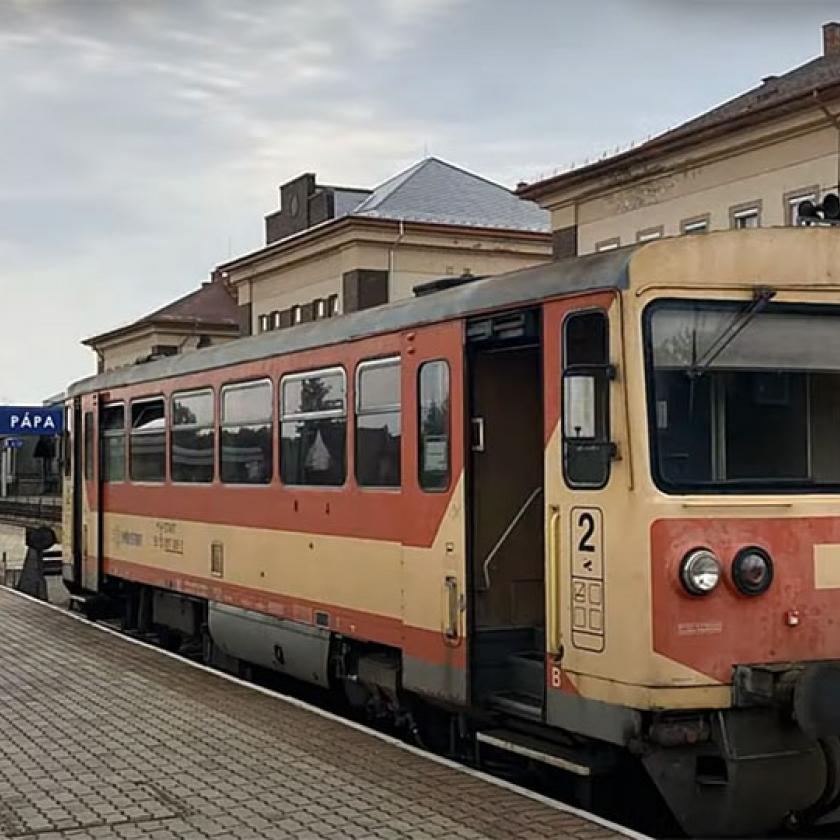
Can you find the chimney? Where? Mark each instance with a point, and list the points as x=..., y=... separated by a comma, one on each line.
x=831, y=40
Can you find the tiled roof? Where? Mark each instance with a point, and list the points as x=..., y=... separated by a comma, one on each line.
x=347, y=200
x=210, y=306
x=437, y=192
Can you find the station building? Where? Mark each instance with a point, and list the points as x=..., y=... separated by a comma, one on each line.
x=746, y=163
x=332, y=250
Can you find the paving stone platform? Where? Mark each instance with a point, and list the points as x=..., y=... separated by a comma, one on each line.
x=101, y=738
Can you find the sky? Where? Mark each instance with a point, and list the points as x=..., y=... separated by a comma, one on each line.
x=143, y=141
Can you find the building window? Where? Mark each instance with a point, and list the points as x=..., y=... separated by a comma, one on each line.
x=275, y=319
x=745, y=216
x=332, y=306
x=698, y=224
x=147, y=443
x=608, y=244
x=378, y=423
x=192, y=437
x=264, y=323
x=794, y=199
x=649, y=234
x=433, y=425
x=319, y=308
x=112, y=441
x=297, y=315
x=89, y=446
x=246, y=452
x=585, y=396
x=313, y=415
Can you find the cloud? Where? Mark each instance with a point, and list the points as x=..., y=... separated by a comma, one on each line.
x=142, y=142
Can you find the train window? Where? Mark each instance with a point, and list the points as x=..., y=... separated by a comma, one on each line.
x=147, y=442
x=433, y=425
x=587, y=450
x=67, y=442
x=313, y=415
x=89, y=446
x=246, y=445
x=112, y=442
x=192, y=437
x=378, y=423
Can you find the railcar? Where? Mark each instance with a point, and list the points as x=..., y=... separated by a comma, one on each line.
x=588, y=510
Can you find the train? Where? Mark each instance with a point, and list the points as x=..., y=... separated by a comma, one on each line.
x=585, y=514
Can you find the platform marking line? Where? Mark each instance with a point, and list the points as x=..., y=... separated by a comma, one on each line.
x=358, y=727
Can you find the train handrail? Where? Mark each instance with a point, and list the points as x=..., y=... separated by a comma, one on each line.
x=505, y=534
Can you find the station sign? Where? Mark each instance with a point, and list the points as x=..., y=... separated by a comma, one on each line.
x=20, y=420
x=12, y=443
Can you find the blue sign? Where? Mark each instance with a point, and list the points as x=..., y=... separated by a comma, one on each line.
x=13, y=443
x=30, y=420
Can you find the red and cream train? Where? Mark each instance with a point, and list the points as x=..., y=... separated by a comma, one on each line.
x=591, y=510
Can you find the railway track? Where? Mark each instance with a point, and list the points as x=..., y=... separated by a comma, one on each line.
x=29, y=512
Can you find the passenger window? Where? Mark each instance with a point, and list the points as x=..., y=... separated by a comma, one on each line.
x=314, y=428
x=192, y=437
x=89, y=446
x=378, y=423
x=246, y=446
x=147, y=444
x=433, y=425
x=587, y=449
x=112, y=442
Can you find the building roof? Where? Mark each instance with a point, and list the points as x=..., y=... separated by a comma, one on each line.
x=437, y=192
x=210, y=307
x=800, y=87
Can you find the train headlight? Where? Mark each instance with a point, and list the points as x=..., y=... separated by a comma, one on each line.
x=752, y=570
x=700, y=571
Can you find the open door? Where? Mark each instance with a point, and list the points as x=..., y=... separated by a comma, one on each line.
x=505, y=502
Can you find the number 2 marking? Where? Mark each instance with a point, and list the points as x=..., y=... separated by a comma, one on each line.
x=587, y=522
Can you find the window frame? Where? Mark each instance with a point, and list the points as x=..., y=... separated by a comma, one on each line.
x=418, y=442
x=220, y=426
x=564, y=367
x=650, y=234
x=695, y=225
x=747, y=209
x=171, y=427
x=669, y=488
x=604, y=245
x=104, y=433
x=312, y=415
x=89, y=426
x=793, y=198
x=367, y=364
x=128, y=425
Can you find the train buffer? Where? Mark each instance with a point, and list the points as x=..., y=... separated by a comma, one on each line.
x=141, y=743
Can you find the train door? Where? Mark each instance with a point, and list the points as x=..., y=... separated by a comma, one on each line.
x=76, y=464
x=505, y=502
x=578, y=458
x=93, y=514
x=434, y=628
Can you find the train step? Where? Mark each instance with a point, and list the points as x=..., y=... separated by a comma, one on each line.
x=518, y=704
x=579, y=761
x=526, y=672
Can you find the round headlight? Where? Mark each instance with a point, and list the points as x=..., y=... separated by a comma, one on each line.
x=700, y=571
x=752, y=570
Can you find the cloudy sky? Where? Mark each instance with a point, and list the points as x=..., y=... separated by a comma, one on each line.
x=142, y=141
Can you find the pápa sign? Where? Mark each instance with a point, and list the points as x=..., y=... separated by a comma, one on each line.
x=20, y=420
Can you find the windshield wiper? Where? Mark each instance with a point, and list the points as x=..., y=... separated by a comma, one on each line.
x=761, y=297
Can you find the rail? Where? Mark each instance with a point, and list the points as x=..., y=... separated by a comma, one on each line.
x=505, y=534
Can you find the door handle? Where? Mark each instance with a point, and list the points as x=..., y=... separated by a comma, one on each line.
x=477, y=434
x=451, y=631
x=553, y=580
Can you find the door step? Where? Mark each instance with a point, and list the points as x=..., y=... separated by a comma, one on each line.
x=580, y=762
x=526, y=672
x=517, y=704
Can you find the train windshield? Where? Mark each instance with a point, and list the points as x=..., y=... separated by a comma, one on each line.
x=744, y=397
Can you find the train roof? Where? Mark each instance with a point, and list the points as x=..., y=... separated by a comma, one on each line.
x=606, y=270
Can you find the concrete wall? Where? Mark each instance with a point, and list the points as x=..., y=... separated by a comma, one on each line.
x=128, y=349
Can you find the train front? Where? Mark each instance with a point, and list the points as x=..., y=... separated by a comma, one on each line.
x=742, y=394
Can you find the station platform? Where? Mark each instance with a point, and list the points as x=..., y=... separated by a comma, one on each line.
x=102, y=736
